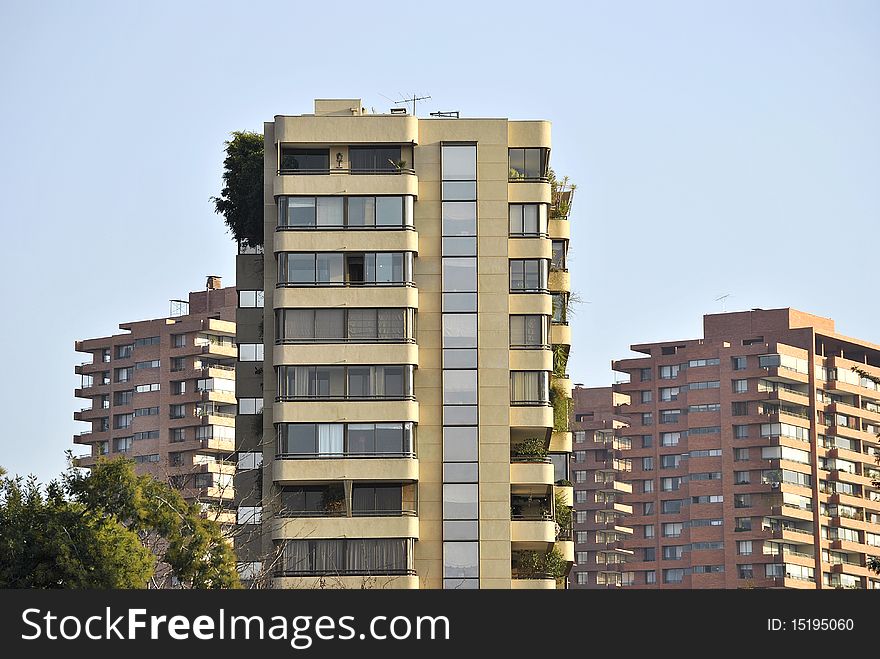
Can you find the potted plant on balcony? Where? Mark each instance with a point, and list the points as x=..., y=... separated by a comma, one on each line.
x=529, y=450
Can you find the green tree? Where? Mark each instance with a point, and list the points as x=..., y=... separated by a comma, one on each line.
x=49, y=542
x=108, y=528
x=241, y=199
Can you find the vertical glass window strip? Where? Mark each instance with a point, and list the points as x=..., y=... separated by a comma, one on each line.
x=461, y=549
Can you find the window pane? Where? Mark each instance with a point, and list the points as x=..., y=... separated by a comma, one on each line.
x=389, y=438
x=389, y=211
x=461, y=559
x=361, y=211
x=459, y=302
x=459, y=218
x=460, y=358
x=330, y=268
x=516, y=218
x=532, y=163
x=301, y=211
x=299, y=324
x=329, y=323
x=460, y=444
x=329, y=212
x=459, y=415
x=392, y=323
x=461, y=530
x=460, y=472
x=361, y=438
x=459, y=274
x=460, y=501
x=301, y=268
x=452, y=190
x=459, y=247
x=459, y=330
x=530, y=219
x=460, y=387
x=362, y=324
x=459, y=163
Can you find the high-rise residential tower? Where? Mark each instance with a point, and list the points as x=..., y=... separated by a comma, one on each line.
x=163, y=394
x=754, y=456
x=403, y=412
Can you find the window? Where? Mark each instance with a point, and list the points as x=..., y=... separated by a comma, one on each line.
x=647, y=418
x=123, y=444
x=744, y=547
x=582, y=577
x=709, y=384
x=669, y=372
x=353, y=439
x=581, y=516
x=739, y=363
x=146, y=411
x=670, y=461
x=672, y=529
x=671, y=506
x=669, y=394
x=153, y=363
x=142, y=459
x=559, y=308
x=645, y=374
x=704, y=407
x=178, y=364
x=123, y=374
x=344, y=212
x=528, y=163
x=647, y=396
x=123, y=397
x=341, y=268
x=559, y=249
x=711, y=498
x=745, y=571
x=741, y=454
x=530, y=331
x=696, y=363
x=741, y=477
x=580, y=496
x=250, y=352
x=250, y=299
x=647, y=508
x=647, y=486
x=580, y=456
x=669, y=438
x=742, y=500
x=673, y=576
x=528, y=275
x=650, y=576
x=740, y=432
x=122, y=420
x=250, y=405
x=175, y=459
x=178, y=435
x=124, y=351
x=743, y=524
x=178, y=387
x=304, y=160
x=650, y=554
x=146, y=341
x=648, y=463
x=367, y=159
x=178, y=411
x=647, y=441
x=333, y=325
x=670, y=484
x=740, y=386
x=528, y=219
x=528, y=387
x=670, y=416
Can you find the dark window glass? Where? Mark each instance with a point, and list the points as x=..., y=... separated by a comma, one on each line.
x=371, y=159
x=305, y=159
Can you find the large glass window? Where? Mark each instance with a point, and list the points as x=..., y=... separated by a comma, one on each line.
x=460, y=387
x=459, y=274
x=344, y=212
x=529, y=163
x=380, y=556
x=348, y=268
x=459, y=218
x=531, y=331
x=528, y=219
x=528, y=275
x=369, y=159
x=529, y=388
x=305, y=160
x=355, y=382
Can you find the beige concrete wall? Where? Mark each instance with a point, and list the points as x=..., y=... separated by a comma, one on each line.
x=338, y=469
x=347, y=353
x=344, y=527
x=367, y=129
x=345, y=411
x=529, y=133
x=311, y=297
x=347, y=241
x=346, y=184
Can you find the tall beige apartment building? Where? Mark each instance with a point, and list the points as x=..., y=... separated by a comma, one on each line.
x=163, y=394
x=402, y=423
x=752, y=458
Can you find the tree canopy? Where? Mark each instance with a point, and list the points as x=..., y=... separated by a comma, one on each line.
x=108, y=528
x=241, y=199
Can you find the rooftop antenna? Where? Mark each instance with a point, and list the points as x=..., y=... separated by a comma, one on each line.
x=179, y=308
x=411, y=99
x=723, y=300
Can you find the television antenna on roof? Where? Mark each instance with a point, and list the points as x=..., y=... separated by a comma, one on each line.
x=723, y=300
x=413, y=98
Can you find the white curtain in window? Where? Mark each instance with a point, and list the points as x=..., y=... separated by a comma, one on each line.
x=330, y=439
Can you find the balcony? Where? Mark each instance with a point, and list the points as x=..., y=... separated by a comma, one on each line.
x=363, y=468
x=565, y=494
x=396, y=182
x=546, y=583
x=386, y=525
x=532, y=416
x=562, y=385
x=560, y=442
x=559, y=281
x=560, y=335
x=348, y=296
x=531, y=473
x=352, y=411
x=347, y=582
x=616, y=506
x=533, y=533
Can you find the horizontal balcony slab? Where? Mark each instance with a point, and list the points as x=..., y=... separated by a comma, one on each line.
x=559, y=229
x=348, y=240
x=560, y=335
x=528, y=192
x=531, y=473
x=350, y=130
x=348, y=582
x=559, y=281
x=350, y=411
x=530, y=303
x=344, y=527
x=560, y=442
x=346, y=183
x=532, y=534
x=538, y=416
x=346, y=353
x=529, y=248
x=531, y=360
x=565, y=494
x=339, y=469
x=349, y=296
x=533, y=584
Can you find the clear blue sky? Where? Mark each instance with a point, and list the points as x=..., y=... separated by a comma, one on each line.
x=718, y=147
